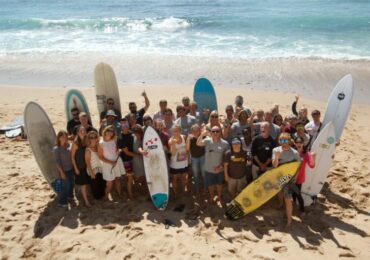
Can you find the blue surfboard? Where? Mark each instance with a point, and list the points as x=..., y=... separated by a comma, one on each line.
x=74, y=98
x=204, y=95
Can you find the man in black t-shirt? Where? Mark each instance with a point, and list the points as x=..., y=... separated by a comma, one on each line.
x=125, y=144
x=75, y=121
x=110, y=106
x=139, y=114
x=262, y=146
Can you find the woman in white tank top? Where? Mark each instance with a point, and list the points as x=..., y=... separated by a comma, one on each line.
x=179, y=159
x=94, y=166
x=112, y=164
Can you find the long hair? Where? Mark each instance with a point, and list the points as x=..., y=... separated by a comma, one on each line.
x=78, y=141
x=59, y=135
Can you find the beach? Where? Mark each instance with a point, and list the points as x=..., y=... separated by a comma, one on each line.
x=32, y=226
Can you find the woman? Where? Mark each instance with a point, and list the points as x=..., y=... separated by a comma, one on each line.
x=213, y=121
x=179, y=159
x=148, y=121
x=307, y=158
x=111, y=161
x=94, y=166
x=62, y=153
x=278, y=120
x=197, y=156
x=280, y=155
x=78, y=160
x=137, y=152
x=235, y=163
x=238, y=127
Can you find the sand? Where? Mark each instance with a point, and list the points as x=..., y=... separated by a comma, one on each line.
x=31, y=226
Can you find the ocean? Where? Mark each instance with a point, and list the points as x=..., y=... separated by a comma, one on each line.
x=336, y=29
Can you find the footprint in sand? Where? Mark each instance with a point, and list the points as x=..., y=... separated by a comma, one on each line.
x=280, y=249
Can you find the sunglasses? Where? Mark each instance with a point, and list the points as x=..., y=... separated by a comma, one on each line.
x=215, y=131
x=284, y=141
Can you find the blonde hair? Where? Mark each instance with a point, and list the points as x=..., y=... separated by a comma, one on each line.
x=108, y=128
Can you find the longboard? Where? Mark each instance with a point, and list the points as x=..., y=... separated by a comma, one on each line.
x=324, y=148
x=74, y=98
x=106, y=87
x=156, y=170
x=339, y=105
x=261, y=190
x=41, y=136
x=204, y=95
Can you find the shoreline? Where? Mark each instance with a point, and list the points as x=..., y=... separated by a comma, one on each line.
x=306, y=77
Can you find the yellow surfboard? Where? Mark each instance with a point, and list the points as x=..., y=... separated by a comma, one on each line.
x=261, y=190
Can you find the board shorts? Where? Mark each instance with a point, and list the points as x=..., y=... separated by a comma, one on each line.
x=214, y=178
x=289, y=189
x=111, y=173
x=178, y=171
x=236, y=184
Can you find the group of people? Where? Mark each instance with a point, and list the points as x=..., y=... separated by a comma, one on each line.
x=205, y=149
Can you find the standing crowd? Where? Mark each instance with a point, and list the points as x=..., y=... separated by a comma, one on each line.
x=205, y=149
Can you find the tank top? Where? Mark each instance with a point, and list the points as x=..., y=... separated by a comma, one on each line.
x=109, y=150
x=195, y=150
x=80, y=157
x=95, y=162
x=180, y=159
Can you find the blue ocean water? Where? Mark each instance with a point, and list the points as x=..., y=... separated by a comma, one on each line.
x=224, y=28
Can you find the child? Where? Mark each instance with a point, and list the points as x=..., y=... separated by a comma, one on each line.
x=111, y=161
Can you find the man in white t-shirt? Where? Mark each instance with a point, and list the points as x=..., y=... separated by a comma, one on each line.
x=313, y=127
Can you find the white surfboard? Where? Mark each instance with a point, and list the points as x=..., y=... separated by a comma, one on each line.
x=106, y=86
x=324, y=148
x=339, y=105
x=156, y=170
x=41, y=136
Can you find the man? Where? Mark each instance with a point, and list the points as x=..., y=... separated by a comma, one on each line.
x=111, y=119
x=262, y=146
x=215, y=147
x=313, y=127
x=84, y=121
x=110, y=106
x=274, y=129
x=168, y=121
x=184, y=121
x=186, y=104
x=193, y=112
x=139, y=114
x=239, y=105
x=162, y=109
x=75, y=121
x=125, y=144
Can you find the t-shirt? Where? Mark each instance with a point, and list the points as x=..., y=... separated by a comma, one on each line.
x=195, y=150
x=186, y=123
x=214, y=153
x=286, y=156
x=236, y=163
x=71, y=125
x=63, y=157
x=139, y=116
x=306, y=138
x=312, y=128
x=160, y=115
x=126, y=141
x=237, y=129
x=262, y=148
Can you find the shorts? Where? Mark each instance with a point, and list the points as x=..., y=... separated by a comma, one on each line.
x=214, y=178
x=128, y=166
x=178, y=171
x=236, y=184
x=289, y=189
x=111, y=173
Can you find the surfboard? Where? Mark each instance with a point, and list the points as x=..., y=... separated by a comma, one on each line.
x=16, y=123
x=13, y=133
x=204, y=95
x=106, y=87
x=339, y=105
x=41, y=137
x=261, y=190
x=74, y=98
x=324, y=147
x=156, y=170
